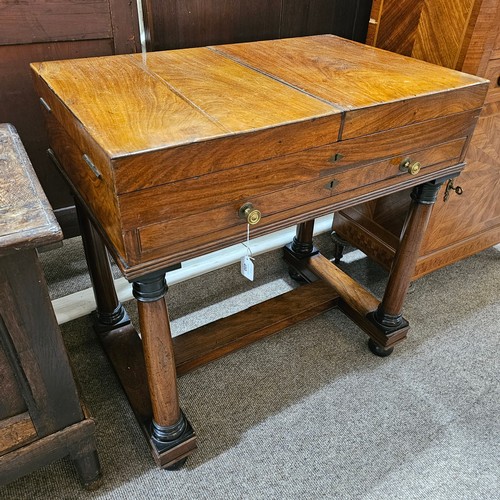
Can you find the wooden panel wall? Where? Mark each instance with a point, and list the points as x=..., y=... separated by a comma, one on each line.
x=189, y=23
x=43, y=21
x=37, y=30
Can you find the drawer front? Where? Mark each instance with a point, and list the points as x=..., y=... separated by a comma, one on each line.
x=493, y=74
x=201, y=232
x=142, y=171
x=234, y=187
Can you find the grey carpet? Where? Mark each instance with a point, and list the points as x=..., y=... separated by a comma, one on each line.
x=310, y=412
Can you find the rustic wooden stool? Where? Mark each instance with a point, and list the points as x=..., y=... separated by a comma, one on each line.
x=41, y=418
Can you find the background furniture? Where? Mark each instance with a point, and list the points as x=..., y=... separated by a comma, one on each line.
x=464, y=35
x=41, y=418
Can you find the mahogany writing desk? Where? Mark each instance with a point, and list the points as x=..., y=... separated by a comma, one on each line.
x=170, y=154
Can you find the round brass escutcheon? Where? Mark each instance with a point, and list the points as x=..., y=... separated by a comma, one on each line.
x=407, y=165
x=251, y=214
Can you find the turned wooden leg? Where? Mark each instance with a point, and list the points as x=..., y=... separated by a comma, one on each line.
x=338, y=247
x=388, y=316
x=171, y=433
x=299, y=249
x=303, y=241
x=110, y=312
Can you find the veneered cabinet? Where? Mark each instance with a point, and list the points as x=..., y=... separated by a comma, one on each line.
x=466, y=218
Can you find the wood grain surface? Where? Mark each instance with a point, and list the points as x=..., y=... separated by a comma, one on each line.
x=108, y=94
x=26, y=219
x=344, y=72
x=416, y=28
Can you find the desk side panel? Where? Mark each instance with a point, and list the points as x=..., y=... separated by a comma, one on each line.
x=93, y=191
x=52, y=106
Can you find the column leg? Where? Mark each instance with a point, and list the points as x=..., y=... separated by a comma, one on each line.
x=303, y=241
x=339, y=246
x=388, y=316
x=110, y=313
x=297, y=252
x=171, y=433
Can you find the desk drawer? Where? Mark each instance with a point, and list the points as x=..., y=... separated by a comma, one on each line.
x=233, y=187
x=199, y=229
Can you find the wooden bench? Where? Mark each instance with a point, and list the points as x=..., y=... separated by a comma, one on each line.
x=41, y=418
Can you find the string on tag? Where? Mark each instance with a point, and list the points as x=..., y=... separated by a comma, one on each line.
x=246, y=245
x=247, y=265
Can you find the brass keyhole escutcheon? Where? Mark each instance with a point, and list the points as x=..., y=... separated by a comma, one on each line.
x=412, y=167
x=250, y=213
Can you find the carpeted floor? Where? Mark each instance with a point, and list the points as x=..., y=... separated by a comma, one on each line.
x=308, y=413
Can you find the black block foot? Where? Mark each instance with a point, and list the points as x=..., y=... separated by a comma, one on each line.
x=178, y=465
x=296, y=276
x=378, y=350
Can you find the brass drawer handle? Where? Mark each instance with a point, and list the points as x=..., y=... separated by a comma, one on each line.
x=412, y=167
x=251, y=214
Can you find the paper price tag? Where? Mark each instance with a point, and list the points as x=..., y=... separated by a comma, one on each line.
x=247, y=267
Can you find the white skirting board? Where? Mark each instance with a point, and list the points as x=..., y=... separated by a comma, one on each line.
x=82, y=303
